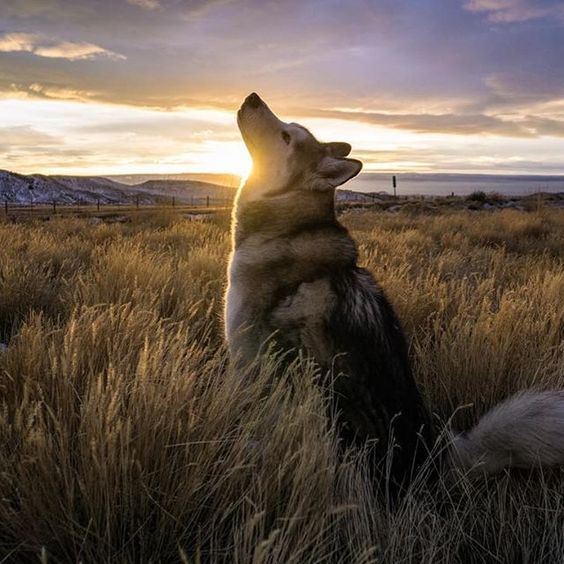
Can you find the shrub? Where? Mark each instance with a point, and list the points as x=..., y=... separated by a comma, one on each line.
x=477, y=196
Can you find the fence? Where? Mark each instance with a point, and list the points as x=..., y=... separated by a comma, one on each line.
x=82, y=207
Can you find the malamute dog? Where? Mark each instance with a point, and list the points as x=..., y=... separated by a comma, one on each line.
x=294, y=278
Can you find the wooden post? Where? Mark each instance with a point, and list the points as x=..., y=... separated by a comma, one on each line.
x=98, y=204
x=207, y=201
x=394, y=184
x=173, y=201
x=54, y=207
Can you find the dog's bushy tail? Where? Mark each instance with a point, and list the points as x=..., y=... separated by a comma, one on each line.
x=523, y=431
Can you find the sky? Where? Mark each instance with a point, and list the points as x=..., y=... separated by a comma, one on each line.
x=152, y=86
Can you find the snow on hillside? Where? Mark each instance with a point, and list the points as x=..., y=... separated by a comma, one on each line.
x=22, y=189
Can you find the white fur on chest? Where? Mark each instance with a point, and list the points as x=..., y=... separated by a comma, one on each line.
x=233, y=297
x=241, y=285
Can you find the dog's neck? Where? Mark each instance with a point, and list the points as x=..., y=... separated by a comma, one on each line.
x=277, y=214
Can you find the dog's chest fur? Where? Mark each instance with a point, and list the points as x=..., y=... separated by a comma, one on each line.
x=282, y=253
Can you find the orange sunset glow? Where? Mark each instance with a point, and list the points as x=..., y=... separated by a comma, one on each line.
x=89, y=88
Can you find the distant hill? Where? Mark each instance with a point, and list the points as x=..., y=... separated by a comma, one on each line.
x=230, y=180
x=15, y=188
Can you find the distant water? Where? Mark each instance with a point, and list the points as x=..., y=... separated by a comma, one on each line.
x=460, y=184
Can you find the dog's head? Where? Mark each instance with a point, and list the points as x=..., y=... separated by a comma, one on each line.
x=286, y=156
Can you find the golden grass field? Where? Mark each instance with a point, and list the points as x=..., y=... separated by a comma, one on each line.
x=126, y=439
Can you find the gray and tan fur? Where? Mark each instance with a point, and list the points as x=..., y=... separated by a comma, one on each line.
x=294, y=281
x=523, y=431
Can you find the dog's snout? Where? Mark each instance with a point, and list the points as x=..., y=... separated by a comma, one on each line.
x=253, y=100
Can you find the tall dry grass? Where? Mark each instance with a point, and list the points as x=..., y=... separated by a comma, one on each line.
x=126, y=439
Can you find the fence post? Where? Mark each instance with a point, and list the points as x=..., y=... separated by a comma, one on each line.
x=98, y=204
x=207, y=201
x=173, y=201
x=54, y=207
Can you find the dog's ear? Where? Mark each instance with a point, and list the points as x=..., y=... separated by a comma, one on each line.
x=337, y=171
x=338, y=150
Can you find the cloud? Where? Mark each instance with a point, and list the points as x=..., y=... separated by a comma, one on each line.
x=510, y=11
x=518, y=88
x=75, y=51
x=516, y=125
x=12, y=42
x=59, y=93
x=103, y=138
x=145, y=4
x=448, y=123
x=24, y=135
x=545, y=126
x=49, y=48
x=30, y=8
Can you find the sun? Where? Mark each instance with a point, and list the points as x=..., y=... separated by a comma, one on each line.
x=229, y=157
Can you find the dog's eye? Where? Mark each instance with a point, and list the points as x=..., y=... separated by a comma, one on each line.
x=286, y=137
